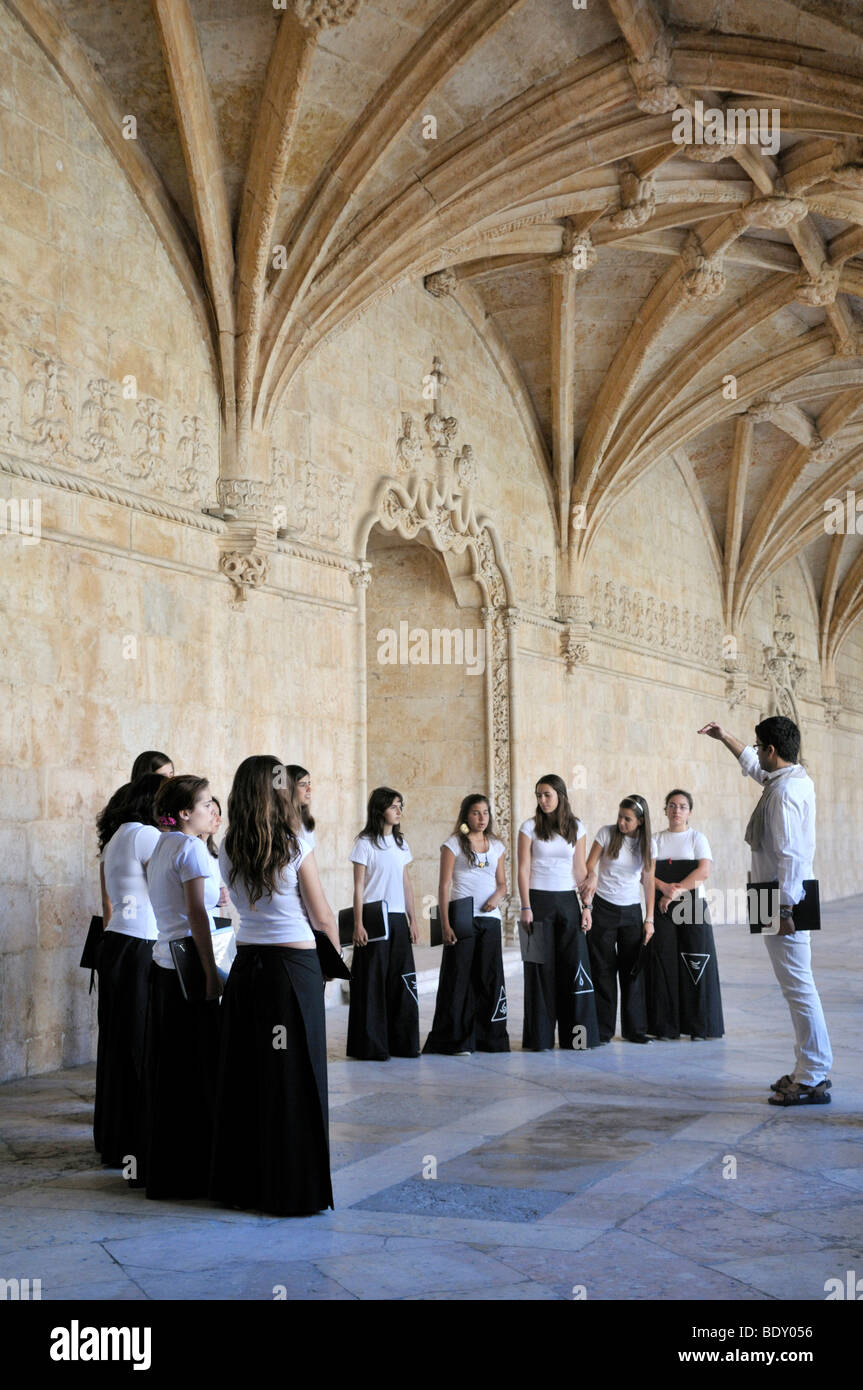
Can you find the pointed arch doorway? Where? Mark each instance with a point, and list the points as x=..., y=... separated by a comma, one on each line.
x=439, y=639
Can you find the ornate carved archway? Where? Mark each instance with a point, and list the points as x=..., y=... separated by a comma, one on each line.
x=441, y=511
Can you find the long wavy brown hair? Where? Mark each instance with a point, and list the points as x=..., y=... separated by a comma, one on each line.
x=262, y=825
x=563, y=820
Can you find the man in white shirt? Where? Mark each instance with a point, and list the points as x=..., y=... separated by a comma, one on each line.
x=781, y=836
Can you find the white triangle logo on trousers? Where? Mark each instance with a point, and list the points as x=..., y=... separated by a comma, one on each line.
x=583, y=983
x=499, y=1014
x=411, y=986
x=695, y=964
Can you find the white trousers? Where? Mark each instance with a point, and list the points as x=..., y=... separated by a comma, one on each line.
x=791, y=958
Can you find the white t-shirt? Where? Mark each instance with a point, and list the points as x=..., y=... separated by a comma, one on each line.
x=551, y=861
x=681, y=844
x=475, y=881
x=385, y=866
x=307, y=835
x=277, y=919
x=123, y=859
x=175, y=860
x=619, y=880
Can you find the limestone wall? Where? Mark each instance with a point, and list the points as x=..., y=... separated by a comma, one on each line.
x=120, y=633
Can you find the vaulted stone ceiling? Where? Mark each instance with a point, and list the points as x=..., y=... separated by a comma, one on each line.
x=643, y=298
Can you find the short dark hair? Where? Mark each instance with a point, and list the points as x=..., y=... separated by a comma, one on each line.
x=781, y=733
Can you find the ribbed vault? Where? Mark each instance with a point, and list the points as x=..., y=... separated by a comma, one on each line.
x=642, y=298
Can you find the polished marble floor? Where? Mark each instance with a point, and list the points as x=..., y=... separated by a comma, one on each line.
x=627, y=1172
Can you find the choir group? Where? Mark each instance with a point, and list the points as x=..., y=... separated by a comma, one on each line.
x=225, y=1095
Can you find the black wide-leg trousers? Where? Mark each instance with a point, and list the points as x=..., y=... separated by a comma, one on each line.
x=123, y=966
x=561, y=990
x=383, y=1020
x=614, y=942
x=470, y=1010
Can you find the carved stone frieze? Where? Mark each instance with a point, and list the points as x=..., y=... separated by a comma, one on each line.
x=102, y=428
x=775, y=211
x=626, y=612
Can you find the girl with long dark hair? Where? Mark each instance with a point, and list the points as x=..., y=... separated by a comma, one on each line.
x=383, y=1020
x=470, y=1010
x=301, y=782
x=682, y=979
x=621, y=861
x=271, y=1142
x=182, y=1044
x=146, y=762
x=551, y=863
x=128, y=834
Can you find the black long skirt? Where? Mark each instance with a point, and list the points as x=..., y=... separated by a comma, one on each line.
x=560, y=990
x=123, y=965
x=470, y=1009
x=271, y=1137
x=614, y=942
x=383, y=1019
x=181, y=1062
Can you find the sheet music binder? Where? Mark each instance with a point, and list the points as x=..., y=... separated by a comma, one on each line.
x=375, y=920
x=460, y=919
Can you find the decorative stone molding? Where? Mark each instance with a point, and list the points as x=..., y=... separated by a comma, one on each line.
x=465, y=468
x=70, y=482
x=241, y=497
x=832, y=704
x=630, y=613
x=775, y=211
x=309, y=502
x=765, y=411
x=782, y=666
x=637, y=201
x=706, y=280
x=409, y=446
x=245, y=571
x=736, y=685
x=325, y=14
x=656, y=94
x=821, y=288
x=824, y=450
x=361, y=578
x=441, y=283
x=411, y=505
x=710, y=154
x=52, y=415
x=577, y=252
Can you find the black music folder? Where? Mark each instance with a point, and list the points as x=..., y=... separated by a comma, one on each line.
x=94, y=936
x=532, y=940
x=460, y=919
x=762, y=901
x=190, y=971
x=332, y=965
x=375, y=920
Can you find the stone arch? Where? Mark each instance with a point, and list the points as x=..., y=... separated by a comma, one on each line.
x=416, y=508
